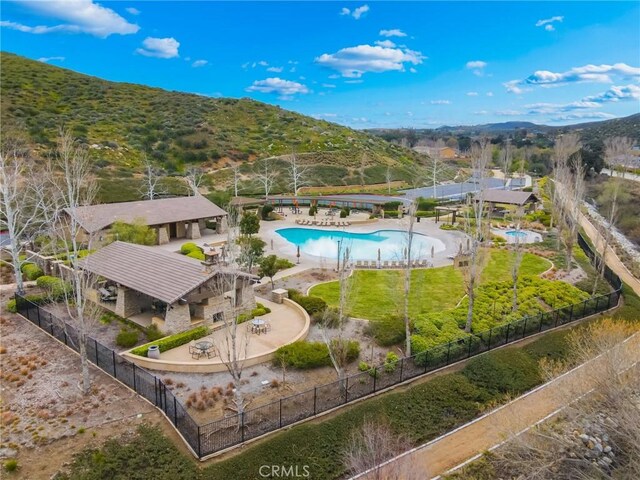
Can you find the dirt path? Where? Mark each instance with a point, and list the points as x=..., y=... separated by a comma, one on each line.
x=450, y=450
x=612, y=259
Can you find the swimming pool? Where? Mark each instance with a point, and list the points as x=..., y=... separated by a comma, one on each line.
x=516, y=233
x=362, y=246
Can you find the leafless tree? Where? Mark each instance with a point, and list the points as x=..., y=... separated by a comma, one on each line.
x=234, y=343
x=436, y=166
x=615, y=150
x=236, y=178
x=73, y=186
x=194, y=178
x=297, y=172
x=331, y=328
x=518, y=251
x=362, y=170
x=409, y=219
x=506, y=159
x=475, y=224
x=389, y=178
x=375, y=443
x=22, y=201
x=565, y=146
x=151, y=186
x=266, y=175
x=570, y=184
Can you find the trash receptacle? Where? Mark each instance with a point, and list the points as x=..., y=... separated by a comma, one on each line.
x=153, y=352
x=418, y=219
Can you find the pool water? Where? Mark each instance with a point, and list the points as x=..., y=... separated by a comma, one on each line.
x=362, y=246
x=516, y=233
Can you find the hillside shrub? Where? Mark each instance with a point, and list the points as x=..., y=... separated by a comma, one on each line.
x=173, y=341
x=390, y=362
x=31, y=271
x=343, y=213
x=265, y=212
x=54, y=286
x=305, y=355
x=503, y=371
x=311, y=304
x=387, y=332
x=127, y=338
x=197, y=254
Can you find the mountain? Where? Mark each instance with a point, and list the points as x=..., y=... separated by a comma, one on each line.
x=121, y=121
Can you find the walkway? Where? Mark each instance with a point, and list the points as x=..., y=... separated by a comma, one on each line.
x=612, y=259
x=456, y=447
x=627, y=175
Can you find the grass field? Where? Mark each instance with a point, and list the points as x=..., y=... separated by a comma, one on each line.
x=376, y=294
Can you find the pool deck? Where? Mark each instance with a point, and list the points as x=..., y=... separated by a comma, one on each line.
x=427, y=226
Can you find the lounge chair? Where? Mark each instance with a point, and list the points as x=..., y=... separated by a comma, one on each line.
x=358, y=263
x=385, y=264
x=346, y=224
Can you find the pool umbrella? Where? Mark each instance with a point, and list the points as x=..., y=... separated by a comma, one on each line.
x=431, y=251
x=298, y=254
x=378, y=257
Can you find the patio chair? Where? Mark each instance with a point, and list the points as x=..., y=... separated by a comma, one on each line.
x=267, y=326
x=346, y=224
x=192, y=347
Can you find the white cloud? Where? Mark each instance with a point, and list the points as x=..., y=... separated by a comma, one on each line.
x=284, y=88
x=548, y=23
x=512, y=87
x=508, y=113
x=81, y=16
x=385, y=43
x=355, y=61
x=489, y=94
x=353, y=81
x=263, y=63
x=394, y=32
x=133, y=11
x=324, y=115
x=616, y=94
x=587, y=73
x=328, y=85
x=477, y=66
x=275, y=69
x=333, y=76
x=440, y=102
x=159, y=47
x=583, y=116
x=413, y=70
x=199, y=63
x=51, y=59
x=480, y=112
x=356, y=13
x=472, y=94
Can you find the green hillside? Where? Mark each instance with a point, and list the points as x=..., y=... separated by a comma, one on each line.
x=119, y=121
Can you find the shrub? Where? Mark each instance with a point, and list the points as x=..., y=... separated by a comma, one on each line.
x=197, y=254
x=56, y=287
x=343, y=213
x=153, y=333
x=127, y=338
x=266, y=211
x=363, y=366
x=173, y=341
x=313, y=210
x=390, y=362
x=311, y=304
x=503, y=371
x=11, y=306
x=329, y=317
x=303, y=355
x=188, y=247
x=387, y=332
x=11, y=465
x=391, y=214
x=32, y=271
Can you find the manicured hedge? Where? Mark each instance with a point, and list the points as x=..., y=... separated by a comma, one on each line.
x=127, y=338
x=304, y=355
x=55, y=286
x=387, y=332
x=173, y=341
x=310, y=303
x=197, y=254
x=188, y=247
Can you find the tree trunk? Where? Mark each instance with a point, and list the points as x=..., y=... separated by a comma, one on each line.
x=15, y=260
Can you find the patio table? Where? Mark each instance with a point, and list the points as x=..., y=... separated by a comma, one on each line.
x=204, y=346
x=258, y=325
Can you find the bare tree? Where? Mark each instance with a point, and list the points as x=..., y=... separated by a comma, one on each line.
x=151, y=186
x=373, y=444
x=362, y=170
x=518, y=252
x=236, y=178
x=437, y=162
x=265, y=175
x=506, y=159
x=475, y=224
x=333, y=322
x=297, y=173
x=22, y=201
x=194, y=178
x=73, y=186
x=570, y=184
x=565, y=146
x=233, y=346
x=408, y=268
x=615, y=150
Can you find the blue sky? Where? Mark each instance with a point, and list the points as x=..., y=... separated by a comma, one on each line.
x=362, y=64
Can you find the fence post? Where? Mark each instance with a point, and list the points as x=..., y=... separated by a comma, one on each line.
x=175, y=411
x=315, y=399
x=135, y=389
x=280, y=413
x=571, y=314
x=38, y=315
x=346, y=390
x=155, y=389
x=199, y=446
x=426, y=360
x=401, y=367
x=508, y=328
x=524, y=329
x=95, y=347
x=609, y=301
x=242, y=426
x=470, y=342
x=113, y=357
x=374, y=382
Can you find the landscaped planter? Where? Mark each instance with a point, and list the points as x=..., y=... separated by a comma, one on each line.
x=153, y=352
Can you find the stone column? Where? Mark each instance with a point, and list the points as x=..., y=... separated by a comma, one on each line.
x=222, y=225
x=202, y=224
x=193, y=231
x=181, y=231
x=163, y=235
x=177, y=318
x=128, y=302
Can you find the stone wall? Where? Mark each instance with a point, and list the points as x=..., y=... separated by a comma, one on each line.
x=129, y=302
x=177, y=318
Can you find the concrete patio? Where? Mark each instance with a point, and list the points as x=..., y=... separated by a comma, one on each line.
x=289, y=323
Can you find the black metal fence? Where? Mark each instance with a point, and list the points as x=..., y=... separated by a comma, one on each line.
x=233, y=430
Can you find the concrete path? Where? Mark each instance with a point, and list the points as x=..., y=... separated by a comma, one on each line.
x=612, y=259
x=627, y=175
x=456, y=447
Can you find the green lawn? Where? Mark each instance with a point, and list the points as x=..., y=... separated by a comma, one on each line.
x=378, y=293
